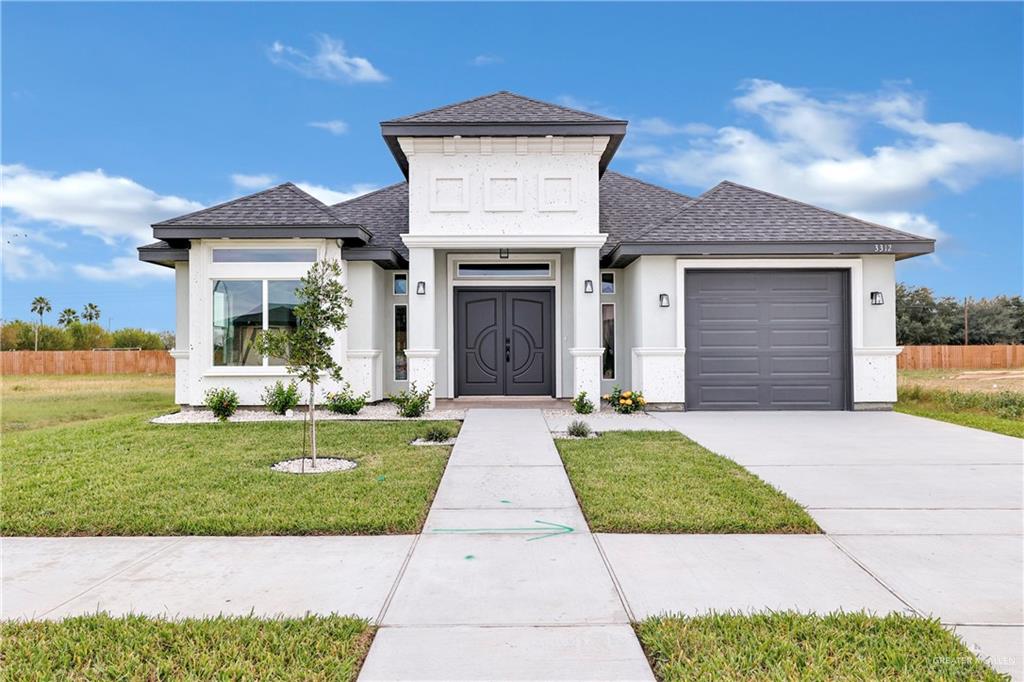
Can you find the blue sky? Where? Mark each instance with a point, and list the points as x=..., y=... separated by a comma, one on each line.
x=116, y=115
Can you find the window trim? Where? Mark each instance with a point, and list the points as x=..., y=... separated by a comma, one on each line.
x=252, y=247
x=394, y=342
x=614, y=283
x=499, y=276
x=615, y=341
x=215, y=369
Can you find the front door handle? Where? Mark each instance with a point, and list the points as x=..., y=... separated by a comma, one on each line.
x=508, y=350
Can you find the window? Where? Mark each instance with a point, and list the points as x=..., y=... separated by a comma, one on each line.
x=506, y=270
x=401, y=329
x=400, y=287
x=264, y=255
x=607, y=282
x=608, y=338
x=243, y=308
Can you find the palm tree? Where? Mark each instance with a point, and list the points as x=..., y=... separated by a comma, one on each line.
x=67, y=316
x=40, y=306
x=91, y=312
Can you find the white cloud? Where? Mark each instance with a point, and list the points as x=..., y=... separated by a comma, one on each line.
x=260, y=181
x=108, y=207
x=486, y=60
x=128, y=269
x=914, y=223
x=332, y=196
x=22, y=260
x=813, y=149
x=335, y=127
x=331, y=62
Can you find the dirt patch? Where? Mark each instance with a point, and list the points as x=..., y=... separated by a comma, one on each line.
x=986, y=381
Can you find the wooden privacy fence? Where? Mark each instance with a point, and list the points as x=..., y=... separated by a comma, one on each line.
x=961, y=357
x=86, y=362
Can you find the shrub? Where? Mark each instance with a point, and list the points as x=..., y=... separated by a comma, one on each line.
x=581, y=404
x=1009, y=404
x=579, y=429
x=625, y=402
x=280, y=398
x=346, y=402
x=439, y=433
x=222, y=402
x=130, y=337
x=412, y=403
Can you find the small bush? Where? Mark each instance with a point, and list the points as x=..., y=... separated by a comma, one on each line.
x=280, y=398
x=439, y=433
x=1005, y=404
x=412, y=403
x=581, y=404
x=579, y=429
x=222, y=402
x=625, y=402
x=345, y=402
x=1009, y=404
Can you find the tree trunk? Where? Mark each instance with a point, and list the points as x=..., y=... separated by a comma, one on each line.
x=312, y=422
x=37, y=333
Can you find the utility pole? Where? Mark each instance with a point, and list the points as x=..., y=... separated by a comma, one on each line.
x=967, y=302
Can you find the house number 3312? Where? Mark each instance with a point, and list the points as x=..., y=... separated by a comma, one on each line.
x=883, y=248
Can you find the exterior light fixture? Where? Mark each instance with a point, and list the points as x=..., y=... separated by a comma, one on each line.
x=421, y=288
x=503, y=253
x=663, y=300
x=876, y=298
x=588, y=286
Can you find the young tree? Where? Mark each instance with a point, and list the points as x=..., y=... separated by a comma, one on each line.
x=91, y=312
x=67, y=316
x=322, y=309
x=40, y=306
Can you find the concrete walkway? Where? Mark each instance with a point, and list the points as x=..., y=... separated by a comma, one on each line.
x=931, y=510
x=506, y=581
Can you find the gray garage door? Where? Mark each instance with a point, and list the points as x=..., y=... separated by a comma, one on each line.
x=767, y=340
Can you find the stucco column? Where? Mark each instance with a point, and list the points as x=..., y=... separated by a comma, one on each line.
x=587, y=349
x=422, y=351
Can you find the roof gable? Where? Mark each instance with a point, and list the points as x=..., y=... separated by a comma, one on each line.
x=502, y=107
x=283, y=205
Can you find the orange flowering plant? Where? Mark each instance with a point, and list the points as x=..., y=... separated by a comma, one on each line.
x=625, y=402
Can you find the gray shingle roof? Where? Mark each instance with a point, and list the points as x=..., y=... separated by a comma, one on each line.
x=729, y=212
x=384, y=213
x=502, y=107
x=283, y=205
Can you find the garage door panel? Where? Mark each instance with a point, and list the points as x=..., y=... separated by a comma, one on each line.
x=766, y=340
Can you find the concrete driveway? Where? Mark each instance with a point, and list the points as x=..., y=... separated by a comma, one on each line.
x=932, y=510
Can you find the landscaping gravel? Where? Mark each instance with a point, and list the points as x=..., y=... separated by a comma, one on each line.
x=324, y=465
x=383, y=411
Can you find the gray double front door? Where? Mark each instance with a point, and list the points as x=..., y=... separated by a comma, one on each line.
x=504, y=341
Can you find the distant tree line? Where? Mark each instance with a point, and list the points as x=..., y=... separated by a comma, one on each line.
x=75, y=331
x=924, y=319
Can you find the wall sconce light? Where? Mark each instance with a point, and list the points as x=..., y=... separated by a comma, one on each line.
x=876, y=298
x=663, y=300
x=421, y=288
x=588, y=286
x=503, y=253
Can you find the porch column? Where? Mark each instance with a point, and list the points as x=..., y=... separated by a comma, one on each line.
x=422, y=351
x=587, y=349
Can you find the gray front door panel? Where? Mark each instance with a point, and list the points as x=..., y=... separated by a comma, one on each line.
x=504, y=341
x=767, y=340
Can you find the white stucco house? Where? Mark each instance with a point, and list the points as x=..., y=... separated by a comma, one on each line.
x=511, y=261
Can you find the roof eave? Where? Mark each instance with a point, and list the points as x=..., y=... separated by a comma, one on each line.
x=392, y=130
x=385, y=257
x=162, y=256
x=625, y=253
x=351, y=235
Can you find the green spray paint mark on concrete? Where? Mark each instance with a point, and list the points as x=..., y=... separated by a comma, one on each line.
x=547, y=530
x=469, y=557
x=505, y=501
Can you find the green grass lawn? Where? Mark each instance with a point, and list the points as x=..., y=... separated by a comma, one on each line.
x=999, y=412
x=100, y=647
x=662, y=482
x=786, y=646
x=31, y=402
x=125, y=476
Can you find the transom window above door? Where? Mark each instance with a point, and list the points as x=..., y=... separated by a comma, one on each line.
x=512, y=270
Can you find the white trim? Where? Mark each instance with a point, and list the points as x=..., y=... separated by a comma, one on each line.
x=178, y=353
x=615, y=283
x=502, y=241
x=544, y=203
x=895, y=350
x=422, y=352
x=615, y=340
x=394, y=334
x=517, y=204
x=653, y=351
x=854, y=265
x=462, y=206
x=250, y=371
x=365, y=353
x=554, y=281
x=586, y=352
